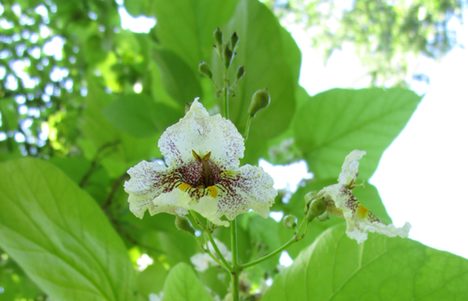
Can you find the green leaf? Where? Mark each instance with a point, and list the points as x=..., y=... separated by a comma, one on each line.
x=151, y=280
x=97, y=184
x=186, y=26
x=177, y=245
x=271, y=60
x=263, y=237
x=183, y=284
x=178, y=78
x=14, y=283
x=59, y=236
x=337, y=268
x=139, y=116
x=333, y=123
x=114, y=148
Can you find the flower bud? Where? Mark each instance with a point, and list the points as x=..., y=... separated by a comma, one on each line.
x=260, y=99
x=310, y=196
x=290, y=221
x=227, y=56
x=218, y=36
x=316, y=208
x=234, y=40
x=205, y=69
x=240, y=72
x=183, y=224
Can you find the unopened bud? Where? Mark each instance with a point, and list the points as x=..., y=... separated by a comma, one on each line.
x=183, y=224
x=316, y=208
x=227, y=56
x=218, y=36
x=260, y=99
x=205, y=69
x=234, y=40
x=290, y=221
x=310, y=196
x=240, y=72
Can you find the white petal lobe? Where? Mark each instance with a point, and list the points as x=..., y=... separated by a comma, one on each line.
x=203, y=133
x=350, y=167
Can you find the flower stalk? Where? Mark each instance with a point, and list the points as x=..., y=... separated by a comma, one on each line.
x=235, y=267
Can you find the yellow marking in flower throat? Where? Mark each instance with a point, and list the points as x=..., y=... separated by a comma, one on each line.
x=212, y=191
x=184, y=186
x=362, y=211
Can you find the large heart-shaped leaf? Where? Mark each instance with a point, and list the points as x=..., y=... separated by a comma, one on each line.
x=337, y=268
x=271, y=59
x=59, y=236
x=333, y=123
x=186, y=26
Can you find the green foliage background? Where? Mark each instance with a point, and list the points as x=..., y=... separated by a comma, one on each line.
x=65, y=229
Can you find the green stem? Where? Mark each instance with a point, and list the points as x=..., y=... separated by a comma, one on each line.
x=220, y=258
x=235, y=267
x=297, y=237
x=225, y=264
x=247, y=128
x=273, y=253
x=226, y=99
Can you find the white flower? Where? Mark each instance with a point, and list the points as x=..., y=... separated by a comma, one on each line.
x=202, y=172
x=202, y=261
x=359, y=220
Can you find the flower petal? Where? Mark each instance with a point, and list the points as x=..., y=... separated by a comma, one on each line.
x=144, y=185
x=250, y=188
x=198, y=131
x=207, y=206
x=350, y=167
x=357, y=229
x=174, y=202
x=152, y=187
x=359, y=220
x=143, y=176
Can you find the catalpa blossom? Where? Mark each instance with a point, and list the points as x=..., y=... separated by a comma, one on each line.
x=201, y=173
x=359, y=220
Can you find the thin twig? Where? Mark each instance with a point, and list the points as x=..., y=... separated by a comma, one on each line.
x=115, y=187
x=95, y=162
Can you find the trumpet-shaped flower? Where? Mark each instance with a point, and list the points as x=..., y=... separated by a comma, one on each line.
x=340, y=199
x=201, y=173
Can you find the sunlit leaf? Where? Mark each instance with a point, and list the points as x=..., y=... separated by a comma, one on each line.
x=183, y=284
x=59, y=236
x=333, y=123
x=179, y=80
x=266, y=51
x=139, y=116
x=337, y=268
x=186, y=27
